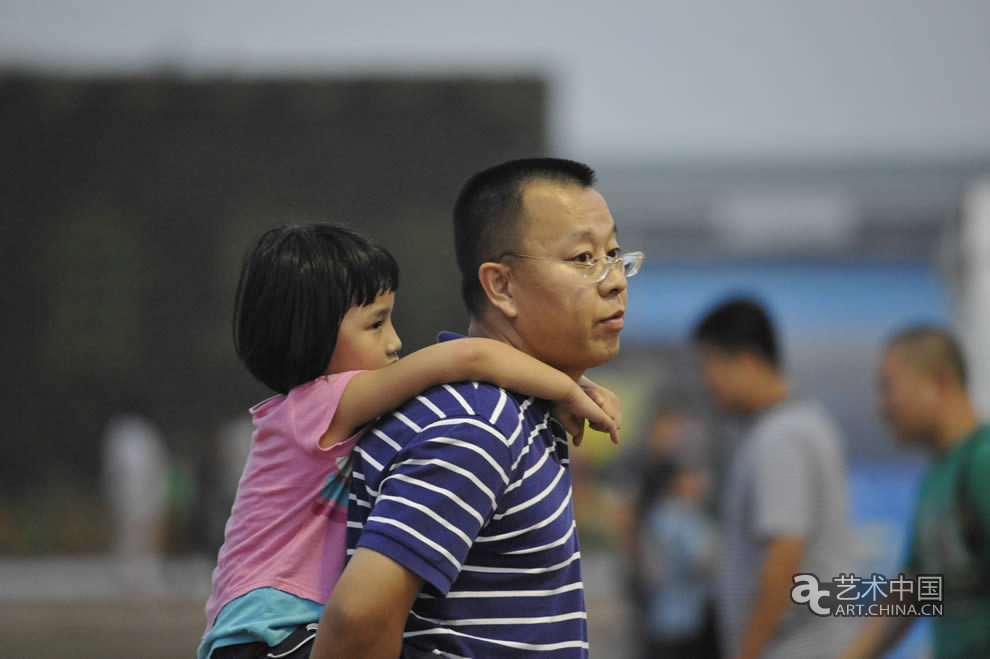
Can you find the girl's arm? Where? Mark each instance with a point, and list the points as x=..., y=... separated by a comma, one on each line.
x=373, y=393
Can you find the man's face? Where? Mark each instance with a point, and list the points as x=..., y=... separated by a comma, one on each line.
x=565, y=319
x=908, y=398
x=725, y=376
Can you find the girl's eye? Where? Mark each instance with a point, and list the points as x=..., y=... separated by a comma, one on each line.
x=377, y=325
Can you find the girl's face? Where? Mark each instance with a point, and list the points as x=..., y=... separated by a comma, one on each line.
x=366, y=339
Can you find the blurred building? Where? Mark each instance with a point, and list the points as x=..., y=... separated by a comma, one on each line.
x=129, y=201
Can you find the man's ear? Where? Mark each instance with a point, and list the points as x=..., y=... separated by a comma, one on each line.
x=494, y=278
x=749, y=359
x=944, y=379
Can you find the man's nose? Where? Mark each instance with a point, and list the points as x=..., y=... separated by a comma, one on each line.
x=615, y=281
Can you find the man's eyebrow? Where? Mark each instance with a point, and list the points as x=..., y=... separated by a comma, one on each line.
x=588, y=235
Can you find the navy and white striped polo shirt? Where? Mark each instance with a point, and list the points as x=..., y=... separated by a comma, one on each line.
x=468, y=486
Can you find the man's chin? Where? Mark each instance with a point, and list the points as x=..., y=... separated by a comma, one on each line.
x=912, y=437
x=603, y=353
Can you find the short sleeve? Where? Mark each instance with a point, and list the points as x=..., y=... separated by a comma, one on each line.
x=441, y=489
x=311, y=407
x=783, y=491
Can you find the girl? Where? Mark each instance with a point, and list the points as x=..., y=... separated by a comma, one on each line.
x=313, y=321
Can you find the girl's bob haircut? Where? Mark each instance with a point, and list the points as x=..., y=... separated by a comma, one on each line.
x=296, y=284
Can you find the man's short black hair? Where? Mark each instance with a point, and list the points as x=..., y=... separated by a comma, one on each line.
x=487, y=213
x=296, y=284
x=931, y=349
x=739, y=324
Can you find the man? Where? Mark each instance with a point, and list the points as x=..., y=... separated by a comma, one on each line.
x=461, y=518
x=924, y=396
x=784, y=506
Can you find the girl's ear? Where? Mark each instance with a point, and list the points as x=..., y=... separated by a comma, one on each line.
x=494, y=278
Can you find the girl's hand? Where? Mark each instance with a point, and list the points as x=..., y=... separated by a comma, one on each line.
x=606, y=400
x=578, y=406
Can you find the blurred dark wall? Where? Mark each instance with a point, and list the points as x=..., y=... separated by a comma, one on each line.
x=128, y=203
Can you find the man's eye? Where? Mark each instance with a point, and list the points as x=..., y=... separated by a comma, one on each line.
x=581, y=258
x=615, y=252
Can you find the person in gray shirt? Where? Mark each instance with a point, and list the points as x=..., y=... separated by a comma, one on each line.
x=784, y=499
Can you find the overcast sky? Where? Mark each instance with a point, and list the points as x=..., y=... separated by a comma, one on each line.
x=629, y=79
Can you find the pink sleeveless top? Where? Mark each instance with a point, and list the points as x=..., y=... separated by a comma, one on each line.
x=288, y=526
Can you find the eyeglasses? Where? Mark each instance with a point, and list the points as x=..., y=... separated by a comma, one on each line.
x=597, y=268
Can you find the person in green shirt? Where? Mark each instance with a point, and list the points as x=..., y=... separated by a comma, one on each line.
x=925, y=398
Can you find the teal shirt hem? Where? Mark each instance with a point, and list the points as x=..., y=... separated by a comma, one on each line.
x=267, y=615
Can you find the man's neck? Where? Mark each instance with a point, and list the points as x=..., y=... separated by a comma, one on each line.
x=958, y=420
x=482, y=329
x=771, y=390
x=479, y=329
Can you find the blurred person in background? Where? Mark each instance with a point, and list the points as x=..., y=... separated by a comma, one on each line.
x=784, y=502
x=644, y=477
x=677, y=551
x=135, y=482
x=924, y=396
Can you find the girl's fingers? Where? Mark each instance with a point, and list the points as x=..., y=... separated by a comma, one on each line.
x=609, y=427
x=596, y=396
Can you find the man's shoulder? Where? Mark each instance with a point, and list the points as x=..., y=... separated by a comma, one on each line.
x=798, y=430
x=975, y=455
x=468, y=403
x=801, y=417
x=460, y=399
x=982, y=439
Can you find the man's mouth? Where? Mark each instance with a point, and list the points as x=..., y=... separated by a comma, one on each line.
x=616, y=321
